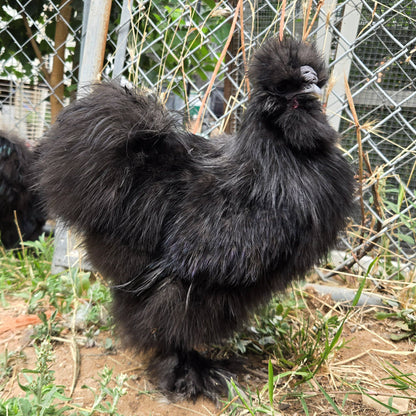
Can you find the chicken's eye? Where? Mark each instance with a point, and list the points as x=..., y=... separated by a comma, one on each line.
x=282, y=88
x=286, y=87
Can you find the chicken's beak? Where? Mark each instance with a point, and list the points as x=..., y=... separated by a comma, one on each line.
x=312, y=89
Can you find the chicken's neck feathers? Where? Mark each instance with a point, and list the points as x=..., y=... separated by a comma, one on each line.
x=258, y=161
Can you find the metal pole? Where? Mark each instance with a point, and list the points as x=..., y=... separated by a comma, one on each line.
x=123, y=33
x=95, y=41
x=323, y=34
x=85, y=13
x=349, y=30
x=66, y=252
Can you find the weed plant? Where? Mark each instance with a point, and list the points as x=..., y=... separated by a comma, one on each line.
x=26, y=273
x=43, y=397
x=56, y=300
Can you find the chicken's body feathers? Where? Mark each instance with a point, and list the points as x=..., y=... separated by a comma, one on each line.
x=194, y=234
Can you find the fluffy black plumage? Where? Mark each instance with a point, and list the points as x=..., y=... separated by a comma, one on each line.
x=16, y=194
x=194, y=234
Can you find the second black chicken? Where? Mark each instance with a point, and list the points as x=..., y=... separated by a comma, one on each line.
x=21, y=217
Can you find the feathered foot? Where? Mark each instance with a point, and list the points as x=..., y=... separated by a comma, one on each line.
x=187, y=375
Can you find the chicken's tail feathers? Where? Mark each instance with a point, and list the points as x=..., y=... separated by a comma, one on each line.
x=100, y=153
x=113, y=117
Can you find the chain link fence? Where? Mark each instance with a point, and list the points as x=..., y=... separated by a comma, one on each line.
x=194, y=53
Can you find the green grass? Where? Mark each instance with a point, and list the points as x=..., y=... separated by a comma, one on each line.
x=296, y=340
x=301, y=343
x=80, y=297
x=26, y=274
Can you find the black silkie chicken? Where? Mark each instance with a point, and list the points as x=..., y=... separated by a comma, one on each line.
x=194, y=234
x=16, y=193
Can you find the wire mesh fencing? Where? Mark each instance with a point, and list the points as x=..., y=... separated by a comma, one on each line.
x=194, y=54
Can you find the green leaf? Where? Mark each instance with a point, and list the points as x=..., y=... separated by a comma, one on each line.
x=25, y=407
x=329, y=399
x=26, y=389
x=304, y=405
x=210, y=3
x=407, y=239
x=271, y=384
x=401, y=336
x=400, y=197
x=242, y=398
x=176, y=14
x=269, y=340
x=222, y=32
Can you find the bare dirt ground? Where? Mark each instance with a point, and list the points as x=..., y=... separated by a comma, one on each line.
x=362, y=359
